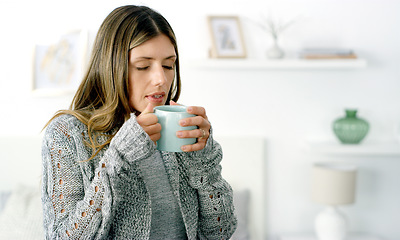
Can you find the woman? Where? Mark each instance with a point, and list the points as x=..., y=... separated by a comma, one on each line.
x=102, y=175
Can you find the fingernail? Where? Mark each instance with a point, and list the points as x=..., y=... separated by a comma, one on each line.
x=183, y=148
x=182, y=122
x=190, y=109
x=179, y=134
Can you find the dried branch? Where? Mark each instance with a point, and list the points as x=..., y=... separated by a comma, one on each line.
x=273, y=27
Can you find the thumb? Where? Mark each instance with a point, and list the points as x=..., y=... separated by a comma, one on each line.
x=148, y=109
x=173, y=103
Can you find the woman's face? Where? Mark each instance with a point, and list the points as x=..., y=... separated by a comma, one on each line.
x=151, y=72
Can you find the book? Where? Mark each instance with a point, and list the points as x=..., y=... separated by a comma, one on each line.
x=327, y=53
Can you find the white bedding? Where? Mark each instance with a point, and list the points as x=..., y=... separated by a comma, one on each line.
x=21, y=217
x=243, y=166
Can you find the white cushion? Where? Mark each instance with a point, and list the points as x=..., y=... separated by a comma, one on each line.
x=22, y=216
x=241, y=203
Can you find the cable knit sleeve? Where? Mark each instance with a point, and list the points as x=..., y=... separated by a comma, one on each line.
x=75, y=206
x=217, y=219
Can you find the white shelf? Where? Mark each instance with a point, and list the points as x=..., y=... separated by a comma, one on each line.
x=281, y=64
x=378, y=148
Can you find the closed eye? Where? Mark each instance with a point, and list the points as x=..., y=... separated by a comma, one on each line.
x=168, y=67
x=142, y=68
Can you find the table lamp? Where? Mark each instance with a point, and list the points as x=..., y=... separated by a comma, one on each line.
x=332, y=185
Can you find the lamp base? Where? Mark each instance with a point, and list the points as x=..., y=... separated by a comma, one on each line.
x=331, y=224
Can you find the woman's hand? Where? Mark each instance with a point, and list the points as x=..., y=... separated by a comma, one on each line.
x=203, y=131
x=149, y=123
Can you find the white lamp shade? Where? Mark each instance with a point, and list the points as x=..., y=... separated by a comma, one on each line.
x=333, y=184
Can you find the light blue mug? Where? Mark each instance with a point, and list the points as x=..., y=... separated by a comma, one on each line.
x=169, y=116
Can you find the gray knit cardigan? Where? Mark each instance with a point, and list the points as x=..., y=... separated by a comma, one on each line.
x=106, y=198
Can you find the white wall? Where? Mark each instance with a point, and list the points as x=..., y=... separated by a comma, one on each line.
x=286, y=107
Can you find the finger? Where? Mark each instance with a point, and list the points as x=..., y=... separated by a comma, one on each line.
x=195, y=121
x=152, y=129
x=194, y=147
x=199, y=111
x=197, y=133
x=149, y=109
x=173, y=103
x=155, y=137
x=147, y=119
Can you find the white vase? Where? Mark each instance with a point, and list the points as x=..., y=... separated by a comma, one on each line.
x=275, y=52
x=331, y=224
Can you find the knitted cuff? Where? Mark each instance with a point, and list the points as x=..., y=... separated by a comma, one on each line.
x=132, y=141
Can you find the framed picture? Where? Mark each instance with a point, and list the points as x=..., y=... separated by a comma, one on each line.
x=227, y=39
x=58, y=67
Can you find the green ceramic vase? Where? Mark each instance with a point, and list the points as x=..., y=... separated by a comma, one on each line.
x=350, y=129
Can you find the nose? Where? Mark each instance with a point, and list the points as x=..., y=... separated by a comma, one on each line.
x=159, y=78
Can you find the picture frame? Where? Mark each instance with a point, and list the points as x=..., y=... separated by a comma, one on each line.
x=58, y=67
x=226, y=36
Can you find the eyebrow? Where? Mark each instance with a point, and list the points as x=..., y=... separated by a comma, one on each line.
x=150, y=58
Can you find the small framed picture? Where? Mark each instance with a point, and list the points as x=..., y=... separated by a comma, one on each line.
x=58, y=66
x=227, y=39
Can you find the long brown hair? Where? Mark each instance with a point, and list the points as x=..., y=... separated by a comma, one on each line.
x=101, y=101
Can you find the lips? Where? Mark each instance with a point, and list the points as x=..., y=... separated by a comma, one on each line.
x=157, y=97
